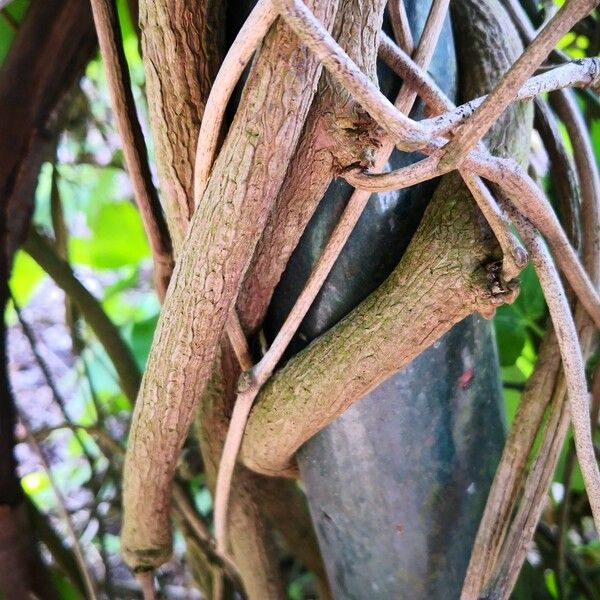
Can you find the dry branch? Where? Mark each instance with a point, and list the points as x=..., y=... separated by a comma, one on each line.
x=469, y=135
x=177, y=92
x=239, y=54
x=399, y=320
x=401, y=26
x=327, y=104
x=134, y=145
x=337, y=133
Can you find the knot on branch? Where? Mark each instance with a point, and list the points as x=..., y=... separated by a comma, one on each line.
x=358, y=137
x=593, y=66
x=497, y=290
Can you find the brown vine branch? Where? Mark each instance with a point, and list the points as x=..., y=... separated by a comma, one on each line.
x=400, y=25
x=582, y=73
x=394, y=324
x=264, y=369
x=134, y=146
x=503, y=494
x=524, y=194
x=539, y=389
x=250, y=35
x=90, y=308
x=523, y=526
x=248, y=172
x=588, y=177
x=506, y=173
x=500, y=496
x=469, y=135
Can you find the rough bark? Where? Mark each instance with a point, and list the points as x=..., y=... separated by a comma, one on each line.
x=225, y=228
x=338, y=133
x=179, y=100
x=354, y=356
x=251, y=540
x=253, y=497
x=183, y=45
x=449, y=271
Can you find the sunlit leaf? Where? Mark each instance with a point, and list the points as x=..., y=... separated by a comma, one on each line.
x=25, y=277
x=118, y=238
x=35, y=482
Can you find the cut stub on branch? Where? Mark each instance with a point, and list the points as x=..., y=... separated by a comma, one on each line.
x=449, y=271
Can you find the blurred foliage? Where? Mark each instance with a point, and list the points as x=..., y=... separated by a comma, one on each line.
x=109, y=253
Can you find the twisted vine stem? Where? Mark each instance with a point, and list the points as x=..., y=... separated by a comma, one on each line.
x=408, y=135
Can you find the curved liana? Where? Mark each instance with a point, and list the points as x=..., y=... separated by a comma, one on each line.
x=471, y=263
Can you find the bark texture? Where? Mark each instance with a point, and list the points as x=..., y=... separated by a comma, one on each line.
x=183, y=45
x=449, y=271
x=246, y=178
x=252, y=542
x=338, y=134
x=177, y=100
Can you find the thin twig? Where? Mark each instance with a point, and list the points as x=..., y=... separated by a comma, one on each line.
x=562, y=171
x=424, y=52
x=583, y=73
x=134, y=146
x=504, y=93
x=588, y=175
x=83, y=568
x=503, y=494
x=408, y=134
x=90, y=308
x=401, y=26
x=43, y=366
x=252, y=32
x=539, y=479
x=146, y=581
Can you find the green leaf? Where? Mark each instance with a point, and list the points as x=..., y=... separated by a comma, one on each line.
x=25, y=277
x=511, y=402
x=510, y=334
x=16, y=11
x=141, y=339
x=551, y=585
x=530, y=301
x=66, y=590
x=117, y=240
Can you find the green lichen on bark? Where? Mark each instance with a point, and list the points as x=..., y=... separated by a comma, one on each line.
x=444, y=276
